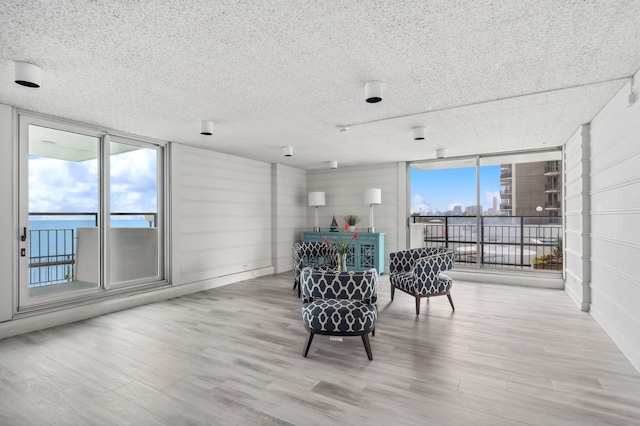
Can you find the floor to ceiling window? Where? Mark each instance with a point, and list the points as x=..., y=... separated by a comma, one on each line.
x=91, y=212
x=498, y=211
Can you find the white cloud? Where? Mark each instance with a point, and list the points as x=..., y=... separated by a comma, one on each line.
x=419, y=205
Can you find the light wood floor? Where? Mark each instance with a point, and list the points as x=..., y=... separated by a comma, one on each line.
x=232, y=355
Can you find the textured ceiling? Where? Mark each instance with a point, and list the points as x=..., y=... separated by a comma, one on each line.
x=481, y=76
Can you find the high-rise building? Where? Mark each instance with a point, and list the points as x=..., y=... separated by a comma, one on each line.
x=527, y=186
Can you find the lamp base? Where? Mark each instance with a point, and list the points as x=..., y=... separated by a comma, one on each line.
x=316, y=229
x=371, y=230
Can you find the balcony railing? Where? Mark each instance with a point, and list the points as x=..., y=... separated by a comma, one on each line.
x=503, y=241
x=53, y=251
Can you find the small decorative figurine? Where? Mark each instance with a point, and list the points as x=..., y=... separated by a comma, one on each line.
x=334, y=225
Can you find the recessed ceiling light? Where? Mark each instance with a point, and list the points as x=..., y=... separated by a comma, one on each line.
x=373, y=91
x=28, y=75
x=206, y=127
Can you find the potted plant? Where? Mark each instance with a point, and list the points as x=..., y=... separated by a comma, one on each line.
x=550, y=261
x=351, y=220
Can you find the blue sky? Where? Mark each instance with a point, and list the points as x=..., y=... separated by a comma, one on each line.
x=67, y=186
x=440, y=190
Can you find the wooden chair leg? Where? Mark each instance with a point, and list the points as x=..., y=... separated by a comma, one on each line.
x=393, y=291
x=451, y=302
x=306, y=349
x=373, y=332
x=417, y=305
x=367, y=345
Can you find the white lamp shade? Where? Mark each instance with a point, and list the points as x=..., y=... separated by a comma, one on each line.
x=373, y=91
x=316, y=199
x=287, y=151
x=206, y=127
x=372, y=196
x=28, y=75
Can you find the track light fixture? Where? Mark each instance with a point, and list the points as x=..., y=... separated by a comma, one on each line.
x=28, y=75
x=373, y=91
x=419, y=133
x=287, y=151
x=206, y=127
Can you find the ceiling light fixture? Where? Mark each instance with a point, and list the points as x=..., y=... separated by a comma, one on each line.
x=206, y=127
x=440, y=153
x=419, y=133
x=373, y=91
x=28, y=75
x=333, y=164
x=287, y=151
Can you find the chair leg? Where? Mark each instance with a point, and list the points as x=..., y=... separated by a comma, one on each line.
x=295, y=283
x=306, y=349
x=417, y=305
x=451, y=302
x=373, y=332
x=393, y=291
x=367, y=345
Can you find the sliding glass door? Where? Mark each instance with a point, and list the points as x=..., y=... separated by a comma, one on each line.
x=90, y=213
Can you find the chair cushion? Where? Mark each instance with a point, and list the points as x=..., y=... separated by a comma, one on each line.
x=339, y=315
x=444, y=283
x=403, y=281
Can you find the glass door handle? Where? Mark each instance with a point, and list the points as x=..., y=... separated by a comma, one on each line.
x=23, y=237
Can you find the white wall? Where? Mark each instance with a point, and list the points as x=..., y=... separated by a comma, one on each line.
x=221, y=214
x=577, y=207
x=8, y=244
x=289, y=213
x=344, y=194
x=615, y=219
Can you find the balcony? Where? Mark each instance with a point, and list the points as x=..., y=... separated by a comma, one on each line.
x=55, y=239
x=552, y=169
x=552, y=187
x=503, y=242
x=552, y=205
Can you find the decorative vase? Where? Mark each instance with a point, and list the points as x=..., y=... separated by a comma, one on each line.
x=352, y=228
x=342, y=262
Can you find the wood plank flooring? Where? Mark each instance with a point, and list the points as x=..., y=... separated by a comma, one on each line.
x=233, y=355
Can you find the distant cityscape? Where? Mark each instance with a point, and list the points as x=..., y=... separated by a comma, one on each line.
x=526, y=189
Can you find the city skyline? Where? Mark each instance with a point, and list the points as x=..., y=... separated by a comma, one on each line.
x=440, y=190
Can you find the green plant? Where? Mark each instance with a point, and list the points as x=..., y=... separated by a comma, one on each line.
x=352, y=220
x=556, y=248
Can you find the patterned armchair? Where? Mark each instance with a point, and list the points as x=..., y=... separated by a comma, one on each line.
x=418, y=272
x=315, y=255
x=339, y=304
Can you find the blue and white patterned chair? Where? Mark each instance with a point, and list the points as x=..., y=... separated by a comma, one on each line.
x=315, y=255
x=418, y=272
x=339, y=304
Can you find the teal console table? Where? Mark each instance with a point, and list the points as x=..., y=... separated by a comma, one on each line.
x=366, y=252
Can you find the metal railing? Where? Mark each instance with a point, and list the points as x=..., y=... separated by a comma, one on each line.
x=53, y=252
x=523, y=242
x=55, y=260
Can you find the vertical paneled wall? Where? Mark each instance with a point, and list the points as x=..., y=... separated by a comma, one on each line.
x=221, y=214
x=577, y=214
x=289, y=212
x=615, y=219
x=344, y=193
x=8, y=244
